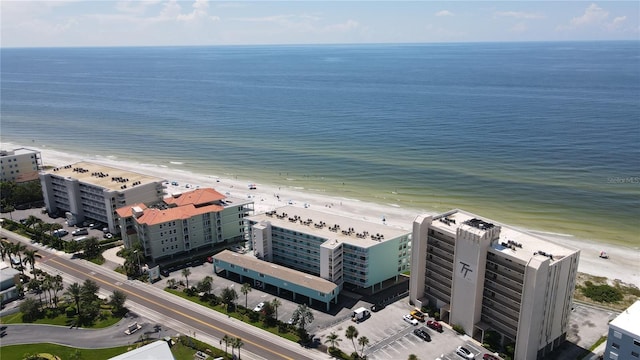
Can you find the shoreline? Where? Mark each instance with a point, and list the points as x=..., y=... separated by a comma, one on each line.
x=623, y=264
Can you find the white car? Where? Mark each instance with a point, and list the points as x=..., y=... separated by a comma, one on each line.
x=465, y=353
x=259, y=307
x=408, y=318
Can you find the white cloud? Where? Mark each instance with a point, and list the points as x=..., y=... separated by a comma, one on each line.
x=519, y=28
x=444, y=13
x=617, y=22
x=346, y=26
x=135, y=6
x=592, y=15
x=518, y=15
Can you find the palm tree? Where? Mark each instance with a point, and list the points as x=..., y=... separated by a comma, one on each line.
x=302, y=316
x=413, y=357
x=31, y=221
x=245, y=290
x=18, y=249
x=363, y=341
x=275, y=303
x=208, y=282
x=352, y=333
x=30, y=258
x=47, y=285
x=333, y=340
x=74, y=291
x=227, y=340
x=237, y=343
x=171, y=283
x=186, y=272
x=56, y=285
x=4, y=249
x=118, y=299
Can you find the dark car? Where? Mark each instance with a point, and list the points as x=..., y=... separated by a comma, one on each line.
x=165, y=273
x=422, y=334
x=434, y=325
x=489, y=357
x=377, y=307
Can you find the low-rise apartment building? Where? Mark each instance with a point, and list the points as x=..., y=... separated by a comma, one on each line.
x=623, y=341
x=484, y=276
x=20, y=165
x=342, y=250
x=88, y=191
x=183, y=222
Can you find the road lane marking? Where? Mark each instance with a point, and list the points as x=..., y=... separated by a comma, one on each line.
x=177, y=312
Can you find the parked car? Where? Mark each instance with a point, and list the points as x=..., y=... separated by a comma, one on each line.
x=108, y=235
x=465, y=353
x=490, y=357
x=377, y=307
x=60, y=233
x=418, y=315
x=434, y=325
x=422, y=334
x=165, y=272
x=78, y=232
x=408, y=318
x=259, y=307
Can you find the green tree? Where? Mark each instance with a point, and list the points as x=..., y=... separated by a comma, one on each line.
x=227, y=341
x=57, y=285
x=229, y=295
x=5, y=248
x=117, y=301
x=30, y=310
x=275, y=304
x=171, y=283
x=30, y=258
x=90, y=307
x=363, y=341
x=18, y=249
x=91, y=247
x=205, y=285
x=352, y=334
x=413, y=357
x=302, y=316
x=186, y=272
x=245, y=290
x=332, y=339
x=74, y=291
x=237, y=343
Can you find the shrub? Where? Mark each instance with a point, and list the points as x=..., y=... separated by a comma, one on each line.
x=602, y=293
x=70, y=311
x=459, y=329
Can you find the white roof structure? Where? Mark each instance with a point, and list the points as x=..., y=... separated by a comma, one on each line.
x=629, y=320
x=158, y=350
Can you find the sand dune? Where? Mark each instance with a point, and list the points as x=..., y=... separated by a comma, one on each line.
x=623, y=264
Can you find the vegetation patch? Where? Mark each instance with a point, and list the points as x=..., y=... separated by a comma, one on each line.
x=598, y=290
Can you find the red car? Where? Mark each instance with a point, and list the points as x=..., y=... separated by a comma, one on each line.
x=489, y=357
x=434, y=325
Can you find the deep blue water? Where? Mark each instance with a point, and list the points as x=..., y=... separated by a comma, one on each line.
x=544, y=135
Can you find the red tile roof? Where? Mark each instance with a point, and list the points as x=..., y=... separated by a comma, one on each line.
x=157, y=216
x=196, y=197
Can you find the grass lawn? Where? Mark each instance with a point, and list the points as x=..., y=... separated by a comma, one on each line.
x=17, y=352
x=237, y=315
x=61, y=319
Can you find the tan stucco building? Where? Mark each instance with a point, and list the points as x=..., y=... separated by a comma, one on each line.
x=484, y=276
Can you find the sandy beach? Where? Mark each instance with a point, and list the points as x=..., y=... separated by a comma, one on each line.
x=623, y=264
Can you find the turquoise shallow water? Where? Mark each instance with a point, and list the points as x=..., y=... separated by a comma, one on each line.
x=541, y=135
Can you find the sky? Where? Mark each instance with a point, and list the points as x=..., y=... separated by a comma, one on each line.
x=73, y=23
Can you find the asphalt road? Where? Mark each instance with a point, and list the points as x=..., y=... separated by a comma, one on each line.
x=257, y=343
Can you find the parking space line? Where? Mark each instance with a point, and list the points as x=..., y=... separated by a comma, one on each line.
x=474, y=348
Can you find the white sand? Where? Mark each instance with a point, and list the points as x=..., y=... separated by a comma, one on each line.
x=623, y=264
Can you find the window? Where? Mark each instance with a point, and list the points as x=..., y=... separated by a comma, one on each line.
x=636, y=342
x=615, y=346
x=634, y=354
x=617, y=335
x=613, y=356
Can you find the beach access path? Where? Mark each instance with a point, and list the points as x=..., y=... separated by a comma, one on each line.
x=623, y=262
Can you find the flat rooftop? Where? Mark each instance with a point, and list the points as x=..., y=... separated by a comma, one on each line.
x=363, y=233
x=276, y=271
x=513, y=242
x=106, y=177
x=18, y=151
x=629, y=320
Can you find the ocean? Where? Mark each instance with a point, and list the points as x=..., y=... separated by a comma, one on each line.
x=541, y=135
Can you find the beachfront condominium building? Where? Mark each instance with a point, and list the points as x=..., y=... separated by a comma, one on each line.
x=361, y=254
x=483, y=276
x=91, y=192
x=181, y=223
x=623, y=341
x=20, y=165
